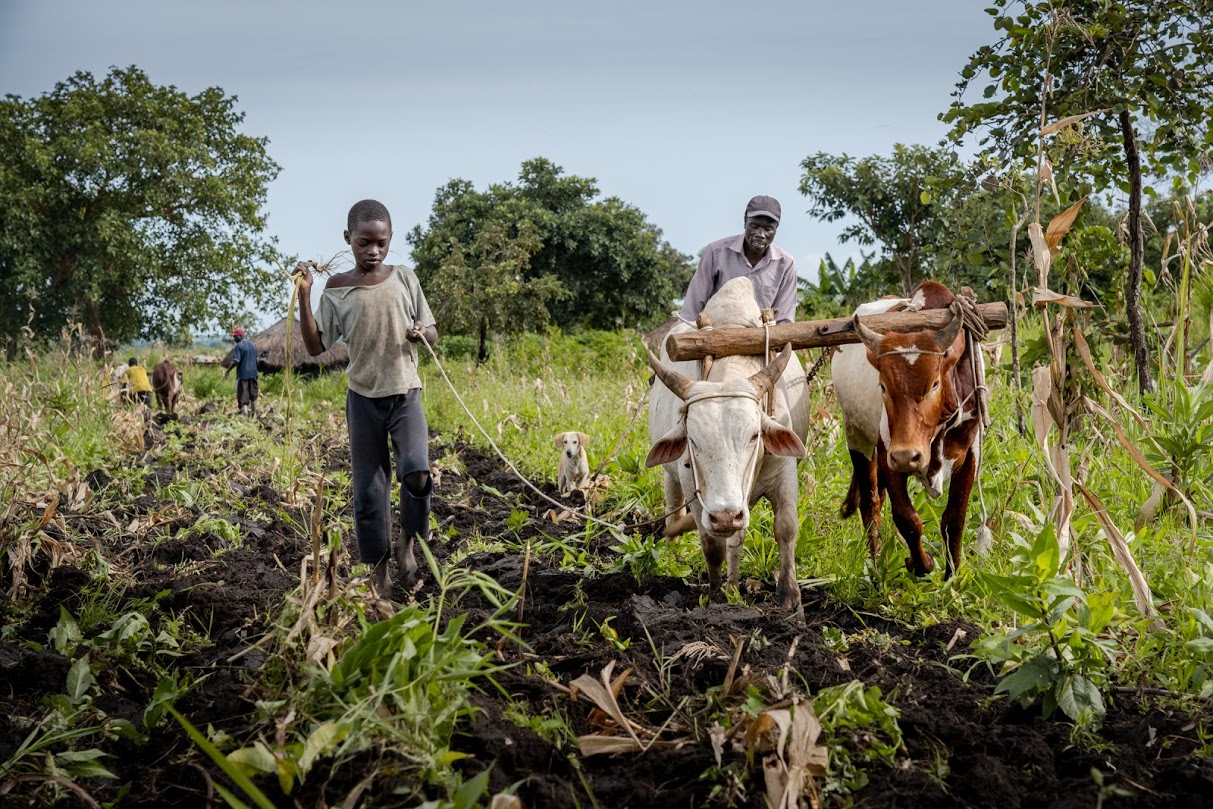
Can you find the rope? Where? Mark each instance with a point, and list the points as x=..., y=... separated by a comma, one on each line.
x=563, y=506
x=975, y=331
x=966, y=306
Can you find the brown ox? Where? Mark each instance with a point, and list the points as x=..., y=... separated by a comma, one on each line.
x=166, y=382
x=909, y=404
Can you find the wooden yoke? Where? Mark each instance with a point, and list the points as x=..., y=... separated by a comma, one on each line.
x=768, y=316
x=816, y=333
x=704, y=323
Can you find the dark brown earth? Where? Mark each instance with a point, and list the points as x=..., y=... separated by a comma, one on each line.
x=962, y=746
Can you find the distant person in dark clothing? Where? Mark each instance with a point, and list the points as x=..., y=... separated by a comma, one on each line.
x=244, y=360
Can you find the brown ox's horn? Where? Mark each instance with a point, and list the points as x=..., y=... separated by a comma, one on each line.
x=945, y=336
x=764, y=380
x=678, y=384
x=871, y=338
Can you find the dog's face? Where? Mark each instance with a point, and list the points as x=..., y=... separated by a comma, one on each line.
x=571, y=443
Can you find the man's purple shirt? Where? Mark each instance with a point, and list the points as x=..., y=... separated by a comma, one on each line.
x=774, y=278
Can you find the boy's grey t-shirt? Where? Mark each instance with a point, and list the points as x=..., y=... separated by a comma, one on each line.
x=373, y=321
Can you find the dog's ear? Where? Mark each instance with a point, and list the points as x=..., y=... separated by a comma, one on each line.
x=559, y=440
x=584, y=439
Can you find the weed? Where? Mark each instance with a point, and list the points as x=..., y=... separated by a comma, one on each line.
x=860, y=728
x=1061, y=656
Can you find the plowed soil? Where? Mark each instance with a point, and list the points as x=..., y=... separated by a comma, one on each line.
x=963, y=747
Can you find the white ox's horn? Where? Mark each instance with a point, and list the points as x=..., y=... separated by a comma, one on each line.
x=871, y=338
x=764, y=380
x=678, y=384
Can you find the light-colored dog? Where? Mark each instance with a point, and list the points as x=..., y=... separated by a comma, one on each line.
x=574, y=468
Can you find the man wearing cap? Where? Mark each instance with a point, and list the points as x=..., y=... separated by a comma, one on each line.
x=244, y=359
x=752, y=254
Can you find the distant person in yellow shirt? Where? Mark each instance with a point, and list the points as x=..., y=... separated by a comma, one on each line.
x=136, y=377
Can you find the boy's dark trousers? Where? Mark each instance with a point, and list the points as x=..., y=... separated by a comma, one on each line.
x=247, y=392
x=373, y=424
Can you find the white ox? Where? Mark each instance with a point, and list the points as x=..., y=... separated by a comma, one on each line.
x=720, y=449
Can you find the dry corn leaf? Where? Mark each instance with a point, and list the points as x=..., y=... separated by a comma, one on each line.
x=558, y=517
x=319, y=648
x=1120, y=549
x=1041, y=255
x=1042, y=296
x=1046, y=176
x=48, y=513
x=1060, y=225
x=1062, y=123
x=602, y=693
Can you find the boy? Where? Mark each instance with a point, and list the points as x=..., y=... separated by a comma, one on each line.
x=381, y=313
x=136, y=377
x=244, y=360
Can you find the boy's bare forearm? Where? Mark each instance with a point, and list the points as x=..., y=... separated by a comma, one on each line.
x=311, y=332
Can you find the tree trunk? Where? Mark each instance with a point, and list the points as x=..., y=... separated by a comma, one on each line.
x=1137, y=330
x=483, y=353
x=905, y=269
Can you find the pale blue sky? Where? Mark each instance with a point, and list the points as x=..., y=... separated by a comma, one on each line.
x=684, y=109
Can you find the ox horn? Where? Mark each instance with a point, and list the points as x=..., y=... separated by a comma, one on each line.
x=764, y=380
x=871, y=338
x=678, y=384
x=945, y=336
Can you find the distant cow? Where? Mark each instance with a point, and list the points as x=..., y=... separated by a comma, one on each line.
x=910, y=409
x=720, y=449
x=166, y=382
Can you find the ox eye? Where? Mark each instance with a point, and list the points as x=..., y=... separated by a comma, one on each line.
x=754, y=438
x=936, y=385
x=882, y=390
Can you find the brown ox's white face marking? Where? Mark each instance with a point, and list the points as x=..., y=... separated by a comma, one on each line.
x=915, y=386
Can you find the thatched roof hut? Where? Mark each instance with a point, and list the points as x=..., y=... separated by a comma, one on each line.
x=271, y=351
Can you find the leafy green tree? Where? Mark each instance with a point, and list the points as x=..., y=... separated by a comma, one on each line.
x=612, y=264
x=1138, y=69
x=901, y=202
x=483, y=280
x=130, y=207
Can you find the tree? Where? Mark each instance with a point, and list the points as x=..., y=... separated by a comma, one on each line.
x=1136, y=70
x=482, y=280
x=901, y=201
x=611, y=262
x=130, y=207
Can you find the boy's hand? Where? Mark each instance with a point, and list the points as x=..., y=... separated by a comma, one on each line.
x=414, y=334
x=304, y=276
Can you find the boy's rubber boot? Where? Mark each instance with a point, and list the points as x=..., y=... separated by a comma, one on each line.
x=414, y=522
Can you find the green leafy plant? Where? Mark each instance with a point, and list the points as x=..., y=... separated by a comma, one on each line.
x=1061, y=655
x=860, y=728
x=649, y=556
x=1182, y=427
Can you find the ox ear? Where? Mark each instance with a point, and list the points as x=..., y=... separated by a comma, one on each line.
x=947, y=335
x=669, y=447
x=779, y=440
x=678, y=384
x=764, y=381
